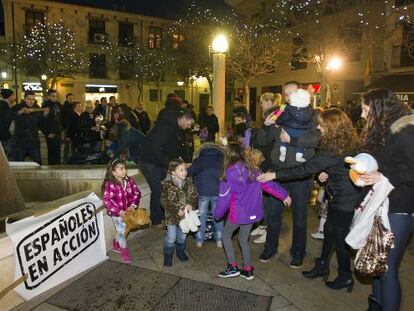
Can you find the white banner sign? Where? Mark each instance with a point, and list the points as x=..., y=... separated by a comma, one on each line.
x=56, y=246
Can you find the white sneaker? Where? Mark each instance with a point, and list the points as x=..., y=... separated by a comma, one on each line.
x=260, y=230
x=199, y=244
x=219, y=244
x=261, y=239
x=318, y=235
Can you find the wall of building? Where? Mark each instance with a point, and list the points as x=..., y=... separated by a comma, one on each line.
x=77, y=18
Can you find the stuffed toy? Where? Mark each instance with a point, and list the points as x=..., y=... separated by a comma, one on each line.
x=135, y=218
x=190, y=222
x=362, y=163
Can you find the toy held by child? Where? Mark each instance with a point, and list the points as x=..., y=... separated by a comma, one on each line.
x=240, y=188
x=178, y=195
x=296, y=119
x=120, y=194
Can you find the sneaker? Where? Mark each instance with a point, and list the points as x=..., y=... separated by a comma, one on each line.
x=125, y=255
x=199, y=244
x=265, y=256
x=219, y=244
x=261, y=239
x=297, y=262
x=318, y=235
x=230, y=272
x=115, y=246
x=247, y=274
x=260, y=230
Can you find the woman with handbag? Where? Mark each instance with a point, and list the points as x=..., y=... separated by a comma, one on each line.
x=388, y=136
x=342, y=195
x=120, y=194
x=178, y=197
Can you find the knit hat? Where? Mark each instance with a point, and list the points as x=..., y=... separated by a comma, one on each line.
x=6, y=93
x=300, y=98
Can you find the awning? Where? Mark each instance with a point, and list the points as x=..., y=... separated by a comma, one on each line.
x=398, y=83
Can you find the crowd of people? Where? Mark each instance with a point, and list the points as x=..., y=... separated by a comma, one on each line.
x=78, y=129
x=254, y=174
x=246, y=175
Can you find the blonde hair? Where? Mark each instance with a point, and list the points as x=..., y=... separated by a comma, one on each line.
x=89, y=103
x=275, y=98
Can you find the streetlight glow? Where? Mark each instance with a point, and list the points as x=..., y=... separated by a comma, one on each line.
x=220, y=44
x=334, y=63
x=4, y=74
x=180, y=83
x=44, y=77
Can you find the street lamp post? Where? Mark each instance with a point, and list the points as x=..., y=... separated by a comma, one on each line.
x=219, y=48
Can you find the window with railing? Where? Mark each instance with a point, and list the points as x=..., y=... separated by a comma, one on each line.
x=97, y=66
x=176, y=40
x=97, y=32
x=33, y=18
x=125, y=33
x=154, y=37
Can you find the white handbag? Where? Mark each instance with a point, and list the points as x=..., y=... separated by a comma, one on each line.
x=190, y=222
x=375, y=203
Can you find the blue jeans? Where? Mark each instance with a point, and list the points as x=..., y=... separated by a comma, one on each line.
x=387, y=289
x=120, y=231
x=174, y=234
x=203, y=203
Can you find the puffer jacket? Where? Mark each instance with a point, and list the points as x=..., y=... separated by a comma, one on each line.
x=242, y=197
x=207, y=168
x=174, y=199
x=117, y=199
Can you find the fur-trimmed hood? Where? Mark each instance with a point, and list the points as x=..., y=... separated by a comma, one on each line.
x=206, y=146
x=402, y=123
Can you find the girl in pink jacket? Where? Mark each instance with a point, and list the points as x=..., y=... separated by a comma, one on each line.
x=120, y=193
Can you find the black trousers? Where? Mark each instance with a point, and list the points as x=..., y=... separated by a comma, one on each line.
x=300, y=192
x=154, y=175
x=53, y=150
x=335, y=231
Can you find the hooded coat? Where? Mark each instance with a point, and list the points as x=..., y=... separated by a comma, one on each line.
x=207, y=168
x=242, y=197
x=396, y=162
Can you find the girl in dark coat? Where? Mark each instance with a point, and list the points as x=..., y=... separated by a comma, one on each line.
x=388, y=136
x=335, y=126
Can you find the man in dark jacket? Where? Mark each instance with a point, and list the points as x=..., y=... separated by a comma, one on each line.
x=299, y=190
x=157, y=149
x=52, y=127
x=67, y=109
x=6, y=101
x=25, y=140
x=209, y=120
x=142, y=116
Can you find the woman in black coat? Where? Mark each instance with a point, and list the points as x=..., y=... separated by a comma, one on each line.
x=388, y=136
x=343, y=195
x=90, y=132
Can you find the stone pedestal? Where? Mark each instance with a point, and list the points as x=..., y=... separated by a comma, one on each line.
x=11, y=200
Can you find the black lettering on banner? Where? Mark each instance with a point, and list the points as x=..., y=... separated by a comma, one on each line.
x=63, y=237
x=55, y=236
x=28, y=251
x=56, y=256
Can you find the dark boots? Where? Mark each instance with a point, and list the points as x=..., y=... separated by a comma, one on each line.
x=321, y=269
x=168, y=255
x=343, y=280
x=181, y=252
x=373, y=304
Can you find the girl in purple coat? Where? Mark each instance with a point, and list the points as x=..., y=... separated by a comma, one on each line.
x=241, y=196
x=120, y=193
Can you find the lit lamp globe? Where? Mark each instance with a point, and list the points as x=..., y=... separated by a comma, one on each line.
x=180, y=83
x=4, y=74
x=44, y=77
x=334, y=63
x=220, y=44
